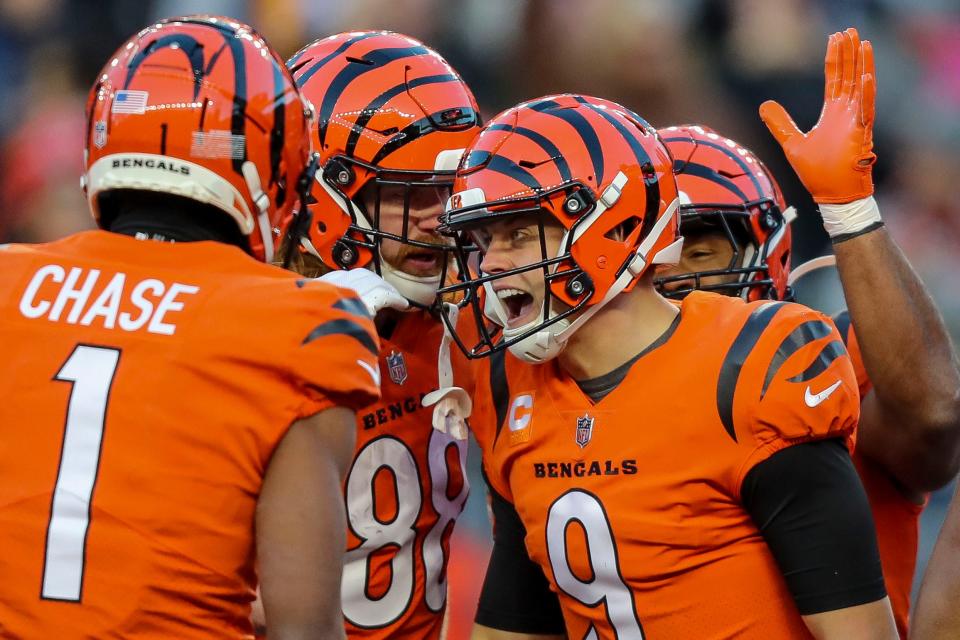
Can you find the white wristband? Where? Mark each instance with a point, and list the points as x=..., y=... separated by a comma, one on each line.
x=843, y=219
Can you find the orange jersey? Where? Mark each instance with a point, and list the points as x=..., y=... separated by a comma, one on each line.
x=895, y=515
x=405, y=489
x=145, y=387
x=632, y=504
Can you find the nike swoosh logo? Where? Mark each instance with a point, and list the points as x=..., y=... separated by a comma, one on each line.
x=813, y=400
x=374, y=373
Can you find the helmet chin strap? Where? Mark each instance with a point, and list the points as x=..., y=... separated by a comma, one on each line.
x=549, y=342
x=262, y=201
x=421, y=290
x=493, y=308
x=751, y=258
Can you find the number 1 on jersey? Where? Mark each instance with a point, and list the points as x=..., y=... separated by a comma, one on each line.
x=90, y=371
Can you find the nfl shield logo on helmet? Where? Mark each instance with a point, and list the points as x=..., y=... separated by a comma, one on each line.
x=584, y=430
x=397, y=367
x=100, y=134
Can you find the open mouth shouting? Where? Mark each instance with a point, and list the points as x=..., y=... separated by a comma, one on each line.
x=422, y=262
x=518, y=305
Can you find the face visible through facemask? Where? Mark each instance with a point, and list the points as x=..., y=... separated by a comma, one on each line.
x=425, y=206
x=704, y=251
x=513, y=243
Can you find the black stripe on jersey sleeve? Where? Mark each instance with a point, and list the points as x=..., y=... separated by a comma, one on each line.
x=499, y=389
x=830, y=353
x=353, y=306
x=744, y=343
x=346, y=328
x=516, y=596
x=804, y=334
x=842, y=320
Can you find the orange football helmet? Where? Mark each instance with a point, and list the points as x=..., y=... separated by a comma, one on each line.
x=391, y=113
x=724, y=187
x=200, y=107
x=598, y=169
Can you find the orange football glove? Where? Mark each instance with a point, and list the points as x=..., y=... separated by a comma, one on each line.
x=834, y=160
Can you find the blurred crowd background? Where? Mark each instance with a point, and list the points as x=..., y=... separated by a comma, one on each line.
x=673, y=61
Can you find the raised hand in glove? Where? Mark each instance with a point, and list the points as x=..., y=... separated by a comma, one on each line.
x=834, y=160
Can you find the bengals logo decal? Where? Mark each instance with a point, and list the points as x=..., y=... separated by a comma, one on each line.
x=456, y=201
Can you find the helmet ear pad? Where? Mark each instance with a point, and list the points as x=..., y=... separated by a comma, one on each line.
x=336, y=222
x=606, y=241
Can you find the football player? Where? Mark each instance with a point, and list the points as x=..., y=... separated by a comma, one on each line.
x=168, y=405
x=673, y=471
x=736, y=240
x=393, y=118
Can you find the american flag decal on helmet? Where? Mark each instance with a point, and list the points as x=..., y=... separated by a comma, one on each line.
x=129, y=101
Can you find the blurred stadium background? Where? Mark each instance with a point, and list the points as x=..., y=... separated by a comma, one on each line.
x=676, y=61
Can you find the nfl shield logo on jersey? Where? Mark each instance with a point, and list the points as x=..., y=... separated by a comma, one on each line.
x=584, y=430
x=397, y=367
